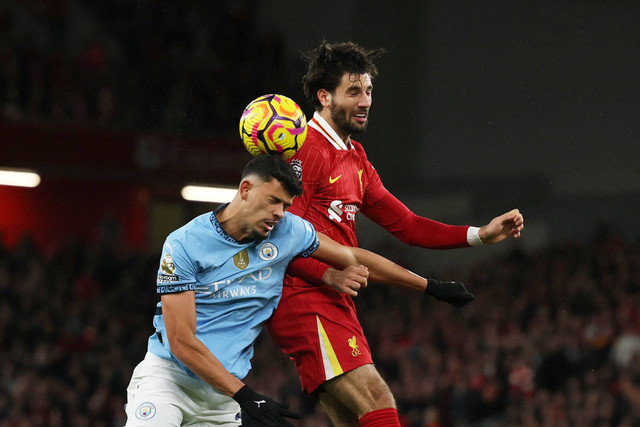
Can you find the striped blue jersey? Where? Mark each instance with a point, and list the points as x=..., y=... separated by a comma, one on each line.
x=237, y=285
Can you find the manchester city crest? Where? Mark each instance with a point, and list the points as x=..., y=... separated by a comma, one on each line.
x=145, y=411
x=268, y=251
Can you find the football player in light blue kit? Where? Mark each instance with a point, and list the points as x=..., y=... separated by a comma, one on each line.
x=220, y=279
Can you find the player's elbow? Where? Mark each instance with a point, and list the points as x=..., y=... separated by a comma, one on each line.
x=407, y=230
x=179, y=345
x=406, y=237
x=180, y=351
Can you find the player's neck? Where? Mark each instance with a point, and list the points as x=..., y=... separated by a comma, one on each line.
x=345, y=137
x=230, y=221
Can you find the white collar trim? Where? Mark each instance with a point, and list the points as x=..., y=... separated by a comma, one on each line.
x=321, y=125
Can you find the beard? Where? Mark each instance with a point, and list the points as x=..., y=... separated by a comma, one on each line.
x=344, y=123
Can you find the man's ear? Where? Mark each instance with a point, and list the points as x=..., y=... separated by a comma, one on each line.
x=324, y=96
x=245, y=187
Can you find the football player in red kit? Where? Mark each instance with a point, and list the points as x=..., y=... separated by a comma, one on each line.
x=316, y=325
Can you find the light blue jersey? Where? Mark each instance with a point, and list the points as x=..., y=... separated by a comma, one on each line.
x=237, y=285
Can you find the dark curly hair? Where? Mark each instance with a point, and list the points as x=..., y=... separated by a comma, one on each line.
x=328, y=63
x=270, y=166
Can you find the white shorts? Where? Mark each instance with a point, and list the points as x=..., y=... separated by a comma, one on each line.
x=161, y=394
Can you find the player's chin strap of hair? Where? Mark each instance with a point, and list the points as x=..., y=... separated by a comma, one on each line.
x=259, y=411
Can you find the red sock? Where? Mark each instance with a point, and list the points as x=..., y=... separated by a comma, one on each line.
x=387, y=417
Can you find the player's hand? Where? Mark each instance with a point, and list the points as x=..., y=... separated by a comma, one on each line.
x=502, y=227
x=452, y=292
x=261, y=411
x=349, y=281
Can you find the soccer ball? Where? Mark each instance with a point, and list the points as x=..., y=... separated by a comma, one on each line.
x=273, y=124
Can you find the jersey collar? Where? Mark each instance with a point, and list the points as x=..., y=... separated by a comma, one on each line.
x=216, y=225
x=321, y=125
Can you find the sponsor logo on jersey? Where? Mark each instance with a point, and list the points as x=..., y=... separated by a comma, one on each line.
x=165, y=278
x=297, y=167
x=145, y=411
x=233, y=288
x=268, y=251
x=355, y=351
x=167, y=266
x=231, y=292
x=339, y=211
x=241, y=259
x=332, y=180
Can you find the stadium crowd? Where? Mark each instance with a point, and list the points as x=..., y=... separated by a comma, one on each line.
x=553, y=339
x=178, y=67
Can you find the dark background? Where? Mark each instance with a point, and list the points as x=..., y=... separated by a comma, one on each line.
x=484, y=89
x=480, y=107
x=484, y=106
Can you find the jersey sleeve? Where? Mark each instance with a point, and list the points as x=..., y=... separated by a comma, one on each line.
x=308, y=269
x=307, y=235
x=385, y=209
x=176, y=272
x=390, y=213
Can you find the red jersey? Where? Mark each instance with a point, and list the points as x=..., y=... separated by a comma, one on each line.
x=317, y=326
x=337, y=178
x=339, y=181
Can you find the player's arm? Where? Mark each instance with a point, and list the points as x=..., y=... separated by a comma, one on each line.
x=398, y=219
x=179, y=312
x=390, y=213
x=383, y=270
x=348, y=280
x=312, y=271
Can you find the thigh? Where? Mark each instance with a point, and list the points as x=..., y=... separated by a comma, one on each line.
x=162, y=394
x=153, y=402
x=361, y=391
x=319, y=329
x=214, y=409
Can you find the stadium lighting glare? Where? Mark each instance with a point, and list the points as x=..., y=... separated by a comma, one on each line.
x=19, y=178
x=202, y=193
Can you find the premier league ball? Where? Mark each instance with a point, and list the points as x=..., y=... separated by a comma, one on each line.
x=273, y=124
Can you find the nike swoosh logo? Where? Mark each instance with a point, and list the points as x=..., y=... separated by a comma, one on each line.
x=332, y=180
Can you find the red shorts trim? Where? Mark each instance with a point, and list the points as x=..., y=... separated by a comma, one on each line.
x=319, y=329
